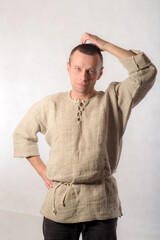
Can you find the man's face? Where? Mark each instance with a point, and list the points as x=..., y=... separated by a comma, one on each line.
x=84, y=70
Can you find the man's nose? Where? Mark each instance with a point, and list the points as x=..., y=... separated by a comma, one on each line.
x=84, y=75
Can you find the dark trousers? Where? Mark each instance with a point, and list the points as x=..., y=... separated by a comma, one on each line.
x=93, y=230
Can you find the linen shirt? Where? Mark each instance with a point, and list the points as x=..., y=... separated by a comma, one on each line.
x=85, y=139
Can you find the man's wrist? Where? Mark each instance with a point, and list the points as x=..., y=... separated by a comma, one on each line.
x=118, y=52
x=107, y=46
x=38, y=164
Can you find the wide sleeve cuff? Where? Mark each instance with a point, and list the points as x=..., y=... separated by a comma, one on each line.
x=137, y=62
x=29, y=149
x=25, y=135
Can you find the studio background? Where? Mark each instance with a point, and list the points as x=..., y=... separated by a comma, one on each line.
x=36, y=38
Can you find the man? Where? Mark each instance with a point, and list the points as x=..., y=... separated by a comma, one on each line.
x=84, y=129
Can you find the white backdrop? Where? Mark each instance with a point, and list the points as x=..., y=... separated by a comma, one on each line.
x=36, y=37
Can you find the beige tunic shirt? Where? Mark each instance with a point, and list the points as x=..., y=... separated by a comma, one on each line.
x=85, y=139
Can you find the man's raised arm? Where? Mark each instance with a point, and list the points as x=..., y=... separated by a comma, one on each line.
x=103, y=45
x=141, y=71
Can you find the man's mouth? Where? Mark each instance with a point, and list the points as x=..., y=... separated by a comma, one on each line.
x=82, y=84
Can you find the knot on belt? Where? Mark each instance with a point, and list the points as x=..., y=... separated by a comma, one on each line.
x=68, y=185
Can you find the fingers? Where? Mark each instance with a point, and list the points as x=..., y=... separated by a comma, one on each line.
x=87, y=36
x=100, y=43
x=84, y=38
x=48, y=183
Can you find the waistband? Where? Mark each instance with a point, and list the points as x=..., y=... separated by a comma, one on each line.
x=68, y=187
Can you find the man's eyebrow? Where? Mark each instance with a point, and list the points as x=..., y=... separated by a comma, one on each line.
x=94, y=67
x=76, y=65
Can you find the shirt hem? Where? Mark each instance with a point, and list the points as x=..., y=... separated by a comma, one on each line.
x=75, y=220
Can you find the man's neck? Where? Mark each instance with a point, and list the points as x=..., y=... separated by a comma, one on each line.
x=80, y=96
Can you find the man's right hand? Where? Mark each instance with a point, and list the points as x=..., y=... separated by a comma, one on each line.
x=48, y=183
x=40, y=167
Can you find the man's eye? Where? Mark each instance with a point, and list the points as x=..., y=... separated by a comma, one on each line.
x=78, y=69
x=91, y=71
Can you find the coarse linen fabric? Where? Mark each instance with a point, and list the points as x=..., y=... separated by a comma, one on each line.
x=85, y=139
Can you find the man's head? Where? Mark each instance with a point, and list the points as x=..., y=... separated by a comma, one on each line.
x=85, y=66
x=88, y=49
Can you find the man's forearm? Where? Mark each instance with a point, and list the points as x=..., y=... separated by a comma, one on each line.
x=118, y=52
x=38, y=164
x=103, y=45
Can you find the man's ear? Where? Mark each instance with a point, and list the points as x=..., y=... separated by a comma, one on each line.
x=100, y=74
x=68, y=67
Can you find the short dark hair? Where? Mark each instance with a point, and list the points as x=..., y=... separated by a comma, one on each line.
x=88, y=49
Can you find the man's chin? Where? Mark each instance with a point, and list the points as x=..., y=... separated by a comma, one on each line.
x=84, y=91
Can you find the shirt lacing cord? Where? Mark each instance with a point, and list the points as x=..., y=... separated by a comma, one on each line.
x=65, y=194
x=81, y=106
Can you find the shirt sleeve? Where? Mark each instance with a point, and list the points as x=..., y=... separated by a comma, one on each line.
x=25, y=135
x=142, y=73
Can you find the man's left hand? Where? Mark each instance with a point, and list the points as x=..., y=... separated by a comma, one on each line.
x=100, y=43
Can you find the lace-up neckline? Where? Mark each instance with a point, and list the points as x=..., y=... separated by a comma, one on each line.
x=80, y=105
